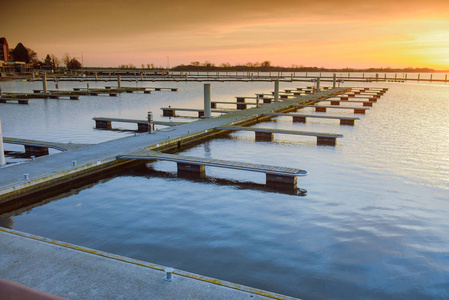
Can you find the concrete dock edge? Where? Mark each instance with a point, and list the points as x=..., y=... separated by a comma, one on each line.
x=77, y=272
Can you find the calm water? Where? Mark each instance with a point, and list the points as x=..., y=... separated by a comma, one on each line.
x=374, y=222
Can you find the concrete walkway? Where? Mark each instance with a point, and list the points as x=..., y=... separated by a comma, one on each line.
x=75, y=272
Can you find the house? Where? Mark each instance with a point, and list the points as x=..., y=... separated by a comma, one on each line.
x=4, y=50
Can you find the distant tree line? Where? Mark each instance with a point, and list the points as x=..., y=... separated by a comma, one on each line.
x=266, y=66
x=51, y=62
x=29, y=56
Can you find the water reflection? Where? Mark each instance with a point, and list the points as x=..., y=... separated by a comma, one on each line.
x=373, y=224
x=26, y=204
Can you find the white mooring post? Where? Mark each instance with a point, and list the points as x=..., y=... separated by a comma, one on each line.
x=276, y=90
x=2, y=152
x=207, y=100
x=150, y=122
x=44, y=83
x=119, y=81
x=168, y=274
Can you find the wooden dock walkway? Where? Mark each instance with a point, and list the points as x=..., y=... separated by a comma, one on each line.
x=323, y=108
x=34, y=147
x=301, y=118
x=266, y=134
x=275, y=176
x=142, y=125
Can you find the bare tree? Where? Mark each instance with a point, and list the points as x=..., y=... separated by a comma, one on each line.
x=66, y=60
x=265, y=64
x=32, y=56
x=54, y=62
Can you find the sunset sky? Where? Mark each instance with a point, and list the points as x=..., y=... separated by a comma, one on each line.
x=326, y=33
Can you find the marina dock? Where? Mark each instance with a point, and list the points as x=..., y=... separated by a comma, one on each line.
x=171, y=111
x=23, y=98
x=142, y=125
x=15, y=100
x=266, y=134
x=107, y=271
x=302, y=118
x=323, y=108
x=275, y=176
x=47, y=171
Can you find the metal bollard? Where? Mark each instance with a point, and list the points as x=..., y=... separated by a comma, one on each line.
x=168, y=274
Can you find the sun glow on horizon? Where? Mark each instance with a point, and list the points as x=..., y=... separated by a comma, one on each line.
x=302, y=33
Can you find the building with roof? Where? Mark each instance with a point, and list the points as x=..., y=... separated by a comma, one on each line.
x=4, y=50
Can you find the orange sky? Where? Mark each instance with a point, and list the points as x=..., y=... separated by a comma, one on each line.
x=344, y=33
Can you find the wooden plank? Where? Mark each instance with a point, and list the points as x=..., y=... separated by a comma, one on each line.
x=151, y=155
x=282, y=131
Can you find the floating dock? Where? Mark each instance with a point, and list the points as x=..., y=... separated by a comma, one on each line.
x=302, y=118
x=171, y=111
x=323, y=108
x=22, y=98
x=48, y=171
x=275, y=176
x=14, y=100
x=142, y=125
x=266, y=134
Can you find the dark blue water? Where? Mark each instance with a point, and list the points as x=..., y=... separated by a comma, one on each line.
x=372, y=225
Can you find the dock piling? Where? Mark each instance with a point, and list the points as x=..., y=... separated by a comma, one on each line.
x=207, y=100
x=281, y=182
x=44, y=83
x=263, y=136
x=276, y=90
x=2, y=152
x=191, y=170
x=150, y=122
